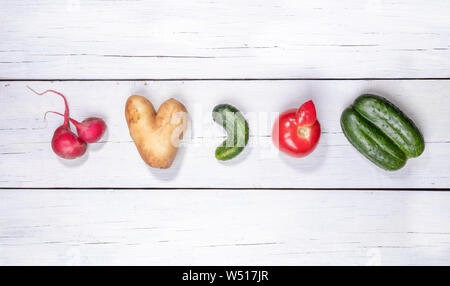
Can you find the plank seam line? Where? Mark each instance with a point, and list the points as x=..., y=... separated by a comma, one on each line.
x=230, y=79
x=237, y=188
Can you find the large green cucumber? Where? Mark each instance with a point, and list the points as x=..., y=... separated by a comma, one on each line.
x=381, y=132
x=367, y=139
x=392, y=122
x=237, y=129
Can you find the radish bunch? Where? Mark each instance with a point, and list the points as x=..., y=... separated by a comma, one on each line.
x=67, y=144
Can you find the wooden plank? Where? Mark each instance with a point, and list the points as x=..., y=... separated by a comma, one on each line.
x=224, y=39
x=26, y=159
x=224, y=227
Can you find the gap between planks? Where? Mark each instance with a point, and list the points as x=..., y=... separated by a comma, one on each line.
x=232, y=79
x=232, y=189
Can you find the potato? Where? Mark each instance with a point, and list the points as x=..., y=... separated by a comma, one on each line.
x=156, y=134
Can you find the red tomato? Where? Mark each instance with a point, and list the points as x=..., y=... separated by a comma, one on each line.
x=297, y=132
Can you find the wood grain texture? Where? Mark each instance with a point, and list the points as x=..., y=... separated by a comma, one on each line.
x=26, y=158
x=224, y=39
x=172, y=227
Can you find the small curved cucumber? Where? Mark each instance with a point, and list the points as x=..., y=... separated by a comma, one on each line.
x=367, y=139
x=392, y=122
x=237, y=129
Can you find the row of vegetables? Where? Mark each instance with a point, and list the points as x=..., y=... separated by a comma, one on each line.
x=372, y=124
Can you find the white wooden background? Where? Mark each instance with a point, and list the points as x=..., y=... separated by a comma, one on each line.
x=332, y=207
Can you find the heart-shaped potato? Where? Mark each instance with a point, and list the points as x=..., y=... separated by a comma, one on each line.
x=156, y=134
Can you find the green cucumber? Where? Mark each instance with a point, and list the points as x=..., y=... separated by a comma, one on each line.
x=381, y=132
x=392, y=122
x=237, y=129
x=370, y=142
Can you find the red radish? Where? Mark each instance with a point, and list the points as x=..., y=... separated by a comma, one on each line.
x=90, y=129
x=65, y=143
